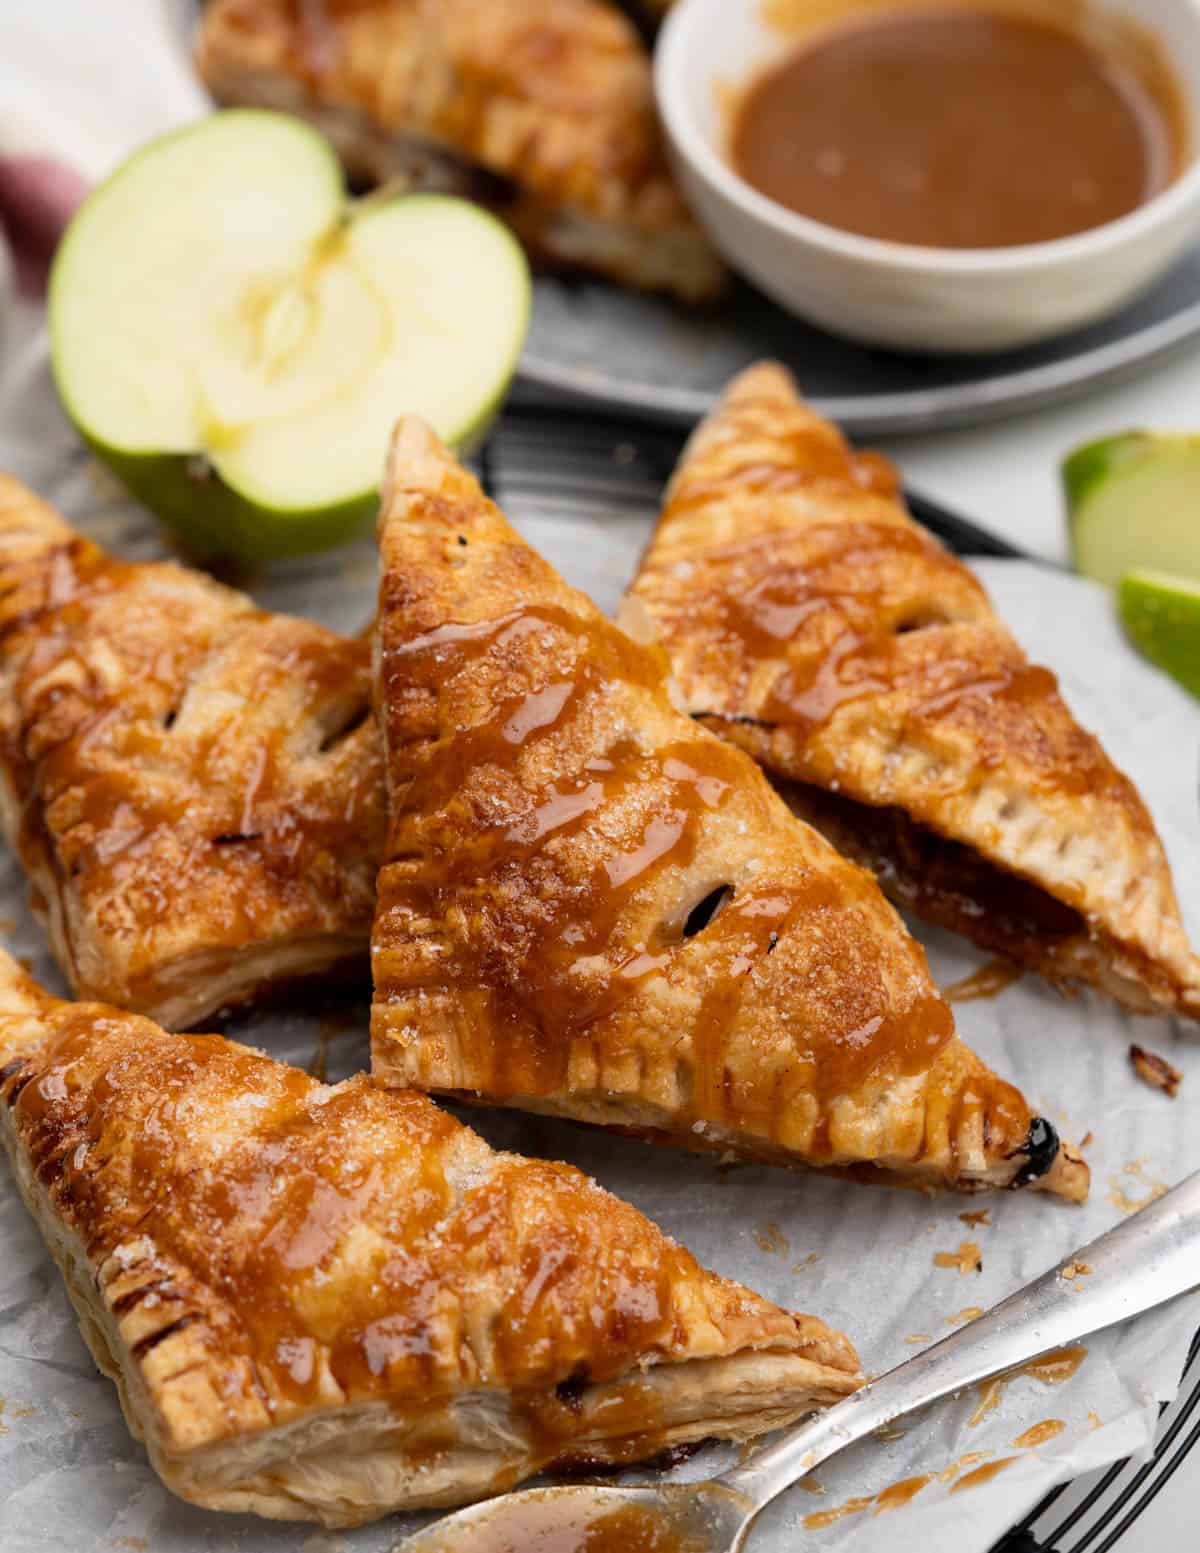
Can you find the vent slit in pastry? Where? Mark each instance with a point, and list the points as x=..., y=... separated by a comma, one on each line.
x=811, y=622
x=557, y=823
x=329, y=1303
x=193, y=786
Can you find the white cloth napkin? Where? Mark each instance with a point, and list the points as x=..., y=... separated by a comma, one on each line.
x=82, y=83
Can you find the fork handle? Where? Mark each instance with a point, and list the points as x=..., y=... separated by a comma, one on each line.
x=1150, y=1258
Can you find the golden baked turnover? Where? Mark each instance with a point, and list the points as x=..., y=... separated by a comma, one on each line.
x=593, y=907
x=543, y=109
x=331, y=1302
x=194, y=786
x=812, y=623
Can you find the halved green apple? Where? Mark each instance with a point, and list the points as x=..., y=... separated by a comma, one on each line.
x=236, y=338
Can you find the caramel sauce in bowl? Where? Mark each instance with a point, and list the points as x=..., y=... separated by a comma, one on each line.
x=950, y=175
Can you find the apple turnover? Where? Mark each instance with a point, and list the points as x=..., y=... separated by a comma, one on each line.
x=812, y=623
x=594, y=908
x=194, y=786
x=544, y=109
x=327, y=1303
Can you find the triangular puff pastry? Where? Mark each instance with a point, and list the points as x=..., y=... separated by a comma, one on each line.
x=544, y=109
x=593, y=908
x=327, y=1303
x=809, y=620
x=194, y=786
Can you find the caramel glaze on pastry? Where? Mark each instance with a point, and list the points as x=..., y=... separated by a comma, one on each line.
x=543, y=108
x=594, y=908
x=327, y=1303
x=811, y=622
x=194, y=786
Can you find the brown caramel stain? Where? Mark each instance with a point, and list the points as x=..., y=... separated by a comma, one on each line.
x=888, y=1432
x=987, y=982
x=1088, y=1139
x=132, y=1544
x=1094, y=1418
x=892, y=1498
x=329, y=1028
x=809, y=1485
x=8, y=926
x=902, y=1493
x=948, y=1474
x=967, y=1313
x=914, y=1339
x=967, y=1259
x=1121, y=1198
x=983, y=1474
x=810, y=1260
x=979, y=1219
x=1074, y=1271
x=1052, y=1369
x=769, y=1237
x=822, y=1518
x=1048, y=1429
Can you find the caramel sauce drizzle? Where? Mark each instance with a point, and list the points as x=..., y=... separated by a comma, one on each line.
x=516, y=818
x=804, y=616
x=109, y=789
x=229, y=1187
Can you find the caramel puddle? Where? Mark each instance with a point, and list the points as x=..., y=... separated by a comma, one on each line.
x=1052, y=1369
x=968, y=1258
x=1039, y=1434
x=987, y=982
x=983, y=1474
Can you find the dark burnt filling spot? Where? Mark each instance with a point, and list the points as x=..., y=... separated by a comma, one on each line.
x=10, y=1068
x=586, y=1466
x=1039, y=1151
x=233, y=837
x=570, y=1391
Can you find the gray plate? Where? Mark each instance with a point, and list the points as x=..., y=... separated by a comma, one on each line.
x=614, y=348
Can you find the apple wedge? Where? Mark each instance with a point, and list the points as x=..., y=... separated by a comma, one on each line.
x=236, y=338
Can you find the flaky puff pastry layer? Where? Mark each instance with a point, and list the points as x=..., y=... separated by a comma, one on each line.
x=593, y=907
x=810, y=621
x=194, y=786
x=552, y=99
x=328, y=1303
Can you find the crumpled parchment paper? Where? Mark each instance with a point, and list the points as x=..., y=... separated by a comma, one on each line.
x=863, y=1258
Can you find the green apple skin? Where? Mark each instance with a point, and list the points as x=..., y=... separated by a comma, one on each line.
x=1161, y=616
x=1157, y=474
x=210, y=518
x=212, y=522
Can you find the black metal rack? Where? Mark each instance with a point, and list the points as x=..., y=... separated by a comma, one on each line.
x=545, y=454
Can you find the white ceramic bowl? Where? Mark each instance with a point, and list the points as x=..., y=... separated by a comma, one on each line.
x=897, y=294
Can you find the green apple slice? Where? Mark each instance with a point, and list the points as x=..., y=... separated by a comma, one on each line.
x=236, y=338
x=1161, y=613
x=1133, y=500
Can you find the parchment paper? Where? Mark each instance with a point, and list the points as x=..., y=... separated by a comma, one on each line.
x=863, y=1258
